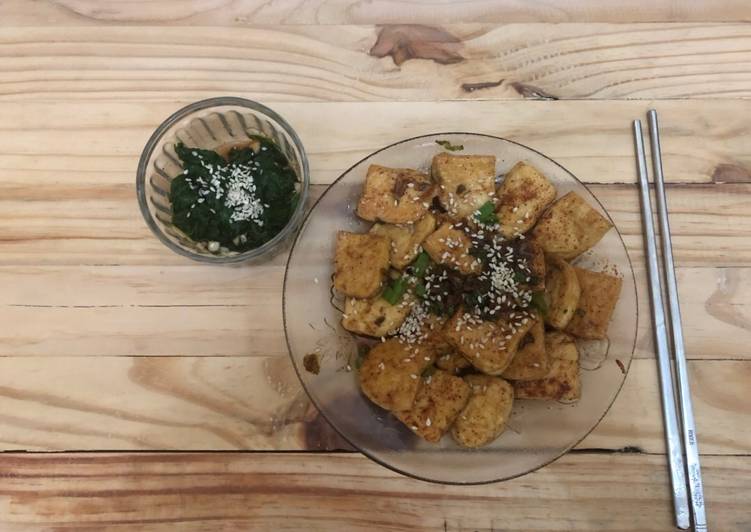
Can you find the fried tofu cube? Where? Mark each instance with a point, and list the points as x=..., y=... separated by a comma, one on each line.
x=405, y=239
x=452, y=362
x=562, y=292
x=484, y=417
x=570, y=227
x=437, y=404
x=450, y=246
x=465, y=182
x=599, y=294
x=432, y=334
x=562, y=382
x=488, y=345
x=524, y=194
x=531, y=360
x=390, y=373
x=360, y=263
x=395, y=195
x=375, y=316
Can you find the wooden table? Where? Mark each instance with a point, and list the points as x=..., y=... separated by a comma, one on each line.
x=141, y=391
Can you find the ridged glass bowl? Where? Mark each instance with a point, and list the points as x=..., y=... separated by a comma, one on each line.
x=213, y=124
x=538, y=432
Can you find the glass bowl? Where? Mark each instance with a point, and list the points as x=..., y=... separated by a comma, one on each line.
x=538, y=432
x=211, y=124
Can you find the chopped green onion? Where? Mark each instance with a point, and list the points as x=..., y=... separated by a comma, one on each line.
x=420, y=290
x=395, y=291
x=448, y=146
x=486, y=214
x=421, y=264
x=538, y=302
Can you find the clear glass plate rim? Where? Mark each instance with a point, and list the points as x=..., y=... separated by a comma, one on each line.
x=322, y=412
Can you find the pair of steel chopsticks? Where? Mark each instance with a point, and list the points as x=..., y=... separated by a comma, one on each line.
x=675, y=444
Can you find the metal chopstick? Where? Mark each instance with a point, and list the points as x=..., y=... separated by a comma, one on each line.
x=690, y=441
x=672, y=433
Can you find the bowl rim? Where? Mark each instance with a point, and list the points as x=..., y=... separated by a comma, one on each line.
x=373, y=456
x=222, y=101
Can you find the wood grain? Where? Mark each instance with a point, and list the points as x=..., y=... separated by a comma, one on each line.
x=701, y=143
x=207, y=492
x=320, y=12
x=345, y=63
x=182, y=311
x=109, y=230
x=231, y=403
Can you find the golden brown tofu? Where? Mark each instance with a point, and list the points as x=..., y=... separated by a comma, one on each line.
x=390, y=374
x=360, y=263
x=524, y=194
x=487, y=411
x=562, y=292
x=562, y=381
x=465, y=182
x=599, y=294
x=570, y=227
x=437, y=404
x=452, y=362
x=488, y=345
x=375, y=316
x=450, y=246
x=395, y=195
x=405, y=239
x=432, y=334
x=530, y=361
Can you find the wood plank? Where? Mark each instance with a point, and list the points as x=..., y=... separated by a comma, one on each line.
x=202, y=492
x=701, y=143
x=231, y=403
x=319, y=12
x=110, y=230
x=195, y=310
x=375, y=63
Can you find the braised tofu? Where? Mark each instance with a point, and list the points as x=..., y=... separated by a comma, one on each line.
x=531, y=360
x=431, y=333
x=562, y=382
x=570, y=227
x=484, y=417
x=405, y=239
x=395, y=195
x=523, y=196
x=375, y=316
x=599, y=294
x=450, y=246
x=390, y=373
x=452, y=362
x=465, y=182
x=361, y=263
x=562, y=292
x=437, y=404
x=488, y=345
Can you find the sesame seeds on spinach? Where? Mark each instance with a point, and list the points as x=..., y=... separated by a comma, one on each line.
x=239, y=202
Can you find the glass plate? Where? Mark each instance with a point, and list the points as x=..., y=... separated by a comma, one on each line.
x=538, y=432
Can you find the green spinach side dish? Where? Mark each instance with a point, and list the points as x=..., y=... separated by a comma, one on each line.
x=238, y=202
